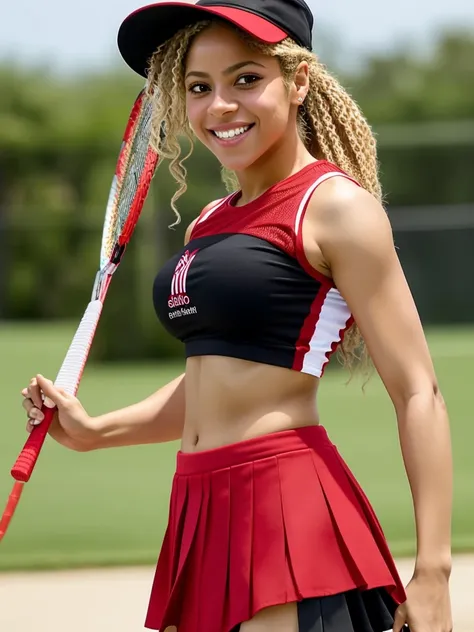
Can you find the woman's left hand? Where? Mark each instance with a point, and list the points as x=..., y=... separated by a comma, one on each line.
x=428, y=605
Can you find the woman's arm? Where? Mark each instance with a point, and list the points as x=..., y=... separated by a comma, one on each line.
x=351, y=229
x=157, y=419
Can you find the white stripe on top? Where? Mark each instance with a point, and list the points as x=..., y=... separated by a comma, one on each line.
x=332, y=319
x=211, y=210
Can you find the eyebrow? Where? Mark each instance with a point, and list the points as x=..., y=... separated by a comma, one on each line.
x=227, y=71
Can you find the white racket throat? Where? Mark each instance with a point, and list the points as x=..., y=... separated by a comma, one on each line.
x=73, y=365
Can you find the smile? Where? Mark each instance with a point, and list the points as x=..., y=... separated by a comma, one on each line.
x=232, y=133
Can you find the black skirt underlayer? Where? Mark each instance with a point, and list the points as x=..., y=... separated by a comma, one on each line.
x=353, y=611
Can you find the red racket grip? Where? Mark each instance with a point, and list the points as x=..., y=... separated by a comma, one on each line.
x=26, y=461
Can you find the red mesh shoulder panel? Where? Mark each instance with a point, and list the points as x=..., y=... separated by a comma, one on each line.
x=271, y=216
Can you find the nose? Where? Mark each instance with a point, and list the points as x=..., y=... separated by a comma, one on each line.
x=222, y=105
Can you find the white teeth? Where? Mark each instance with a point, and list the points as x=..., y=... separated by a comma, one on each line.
x=232, y=133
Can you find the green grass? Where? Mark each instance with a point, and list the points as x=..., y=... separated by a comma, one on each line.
x=110, y=507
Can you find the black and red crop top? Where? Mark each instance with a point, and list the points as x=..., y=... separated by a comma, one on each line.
x=242, y=287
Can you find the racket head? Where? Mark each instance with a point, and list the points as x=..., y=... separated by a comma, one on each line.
x=136, y=165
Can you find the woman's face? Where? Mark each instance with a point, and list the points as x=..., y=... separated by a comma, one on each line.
x=236, y=100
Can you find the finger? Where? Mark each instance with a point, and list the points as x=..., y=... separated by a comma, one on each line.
x=398, y=621
x=53, y=396
x=36, y=415
x=34, y=393
x=31, y=424
x=27, y=404
x=32, y=412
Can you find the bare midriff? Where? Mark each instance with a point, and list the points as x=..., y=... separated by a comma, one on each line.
x=230, y=400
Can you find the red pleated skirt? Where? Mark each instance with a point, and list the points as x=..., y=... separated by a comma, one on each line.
x=264, y=522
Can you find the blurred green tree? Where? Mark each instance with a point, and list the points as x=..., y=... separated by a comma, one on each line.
x=402, y=87
x=59, y=138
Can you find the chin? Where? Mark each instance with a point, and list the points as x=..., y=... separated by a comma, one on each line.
x=240, y=163
x=235, y=165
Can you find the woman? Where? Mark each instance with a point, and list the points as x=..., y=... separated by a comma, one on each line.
x=268, y=529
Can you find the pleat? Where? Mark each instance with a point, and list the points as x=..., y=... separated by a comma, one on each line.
x=193, y=510
x=178, y=597
x=161, y=583
x=363, y=500
x=198, y=590
x=240, y=544
x=361, y=620
x=375, y=528
x=371, y=610
x=335, y=614
x=310, y=618
x=317, y=563
x=269, y=583
x=167, y=566
x=177, y=521
x=353, y=530
x=215, y=562
x=353, y=611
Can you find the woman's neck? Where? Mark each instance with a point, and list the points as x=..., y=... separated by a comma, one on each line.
x=278, y=164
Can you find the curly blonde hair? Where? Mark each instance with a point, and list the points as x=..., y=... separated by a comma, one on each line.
x=330, y=124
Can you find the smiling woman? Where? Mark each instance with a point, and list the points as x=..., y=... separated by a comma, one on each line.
x=250, y=92
x=225, y=131
x=268, y=529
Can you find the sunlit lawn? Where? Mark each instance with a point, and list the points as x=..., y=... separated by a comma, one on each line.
x=111, y=507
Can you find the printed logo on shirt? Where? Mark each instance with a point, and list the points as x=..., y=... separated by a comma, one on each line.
x=179, y=297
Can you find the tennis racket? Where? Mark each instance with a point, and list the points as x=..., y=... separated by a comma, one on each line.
x=135, y=167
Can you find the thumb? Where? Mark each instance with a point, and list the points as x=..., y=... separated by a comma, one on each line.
x=53, y=395
x=399, y=620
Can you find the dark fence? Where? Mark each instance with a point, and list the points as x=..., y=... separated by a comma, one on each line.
x=436, y=248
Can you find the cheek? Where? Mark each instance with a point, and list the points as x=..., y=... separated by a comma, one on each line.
x=196, y=116
x=274, y=111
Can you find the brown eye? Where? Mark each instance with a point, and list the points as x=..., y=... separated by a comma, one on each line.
x=197, y=88
x=247, y=80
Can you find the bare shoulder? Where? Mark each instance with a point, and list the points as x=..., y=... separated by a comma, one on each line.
x=190, y=228
x=345, y=214
x=342, y=218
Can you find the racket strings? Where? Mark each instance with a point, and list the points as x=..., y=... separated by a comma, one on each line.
x=139, y=144
x=134, y=171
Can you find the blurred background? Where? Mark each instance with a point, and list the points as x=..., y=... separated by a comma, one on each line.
x=64, y=98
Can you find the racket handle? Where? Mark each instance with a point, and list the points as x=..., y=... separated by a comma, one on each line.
x=27, y=458
x=68, y=379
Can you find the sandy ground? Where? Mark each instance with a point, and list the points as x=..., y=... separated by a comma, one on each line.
x=115, y=600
